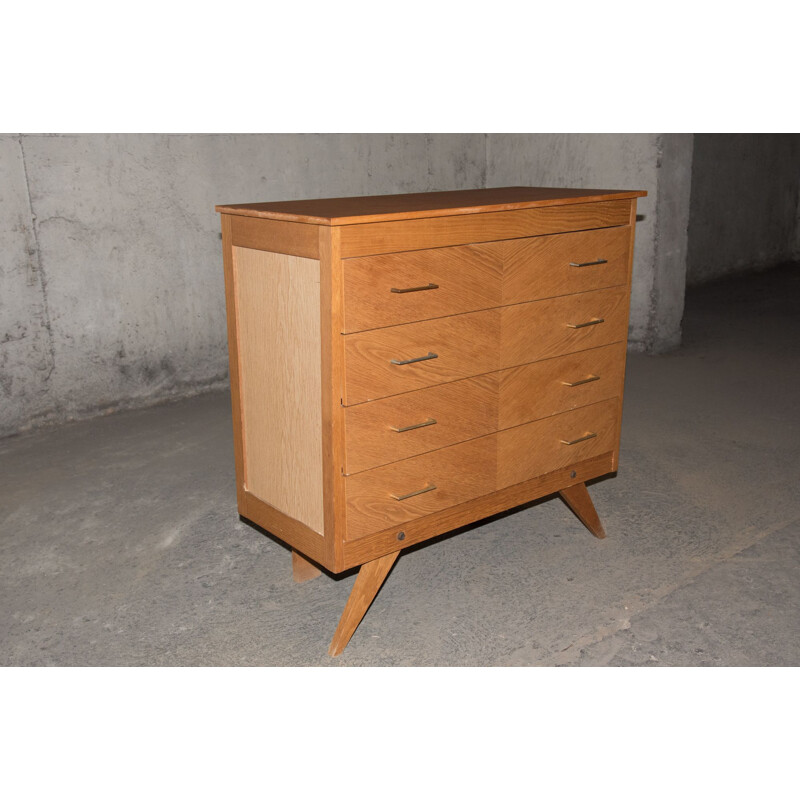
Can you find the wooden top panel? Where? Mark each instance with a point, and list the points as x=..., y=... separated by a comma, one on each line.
x=382, y=208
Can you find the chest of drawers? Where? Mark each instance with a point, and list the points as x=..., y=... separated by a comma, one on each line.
x=404, y=365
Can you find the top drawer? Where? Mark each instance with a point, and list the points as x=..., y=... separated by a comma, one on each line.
x=396, y=288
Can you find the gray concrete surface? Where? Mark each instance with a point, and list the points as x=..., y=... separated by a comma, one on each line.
x=120, y=543
x=745, y=203
x=111, y=290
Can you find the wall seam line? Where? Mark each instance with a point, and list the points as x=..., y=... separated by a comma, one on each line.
x=39, y=269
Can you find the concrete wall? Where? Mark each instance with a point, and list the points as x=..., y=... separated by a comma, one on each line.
x=111, y=291
x=744, y=206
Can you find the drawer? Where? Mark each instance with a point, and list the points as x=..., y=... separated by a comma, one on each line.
x=396, y=493
x=396, y=288
x=566, y=263
x=549, y=444
x=403, y=358
x=408, y=424
x=388, y=361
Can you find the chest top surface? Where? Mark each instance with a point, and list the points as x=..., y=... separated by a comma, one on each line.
x=381, y=208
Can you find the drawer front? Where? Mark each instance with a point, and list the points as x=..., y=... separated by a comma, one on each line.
x=412, y=423
x=544, y=388
x=396, y=493
x=549, y=444
x=560, y=325
x=422, y=284
x=389, y=361
x=396, y=288
x=417, y=422
x=566, y=263
x=427, y=353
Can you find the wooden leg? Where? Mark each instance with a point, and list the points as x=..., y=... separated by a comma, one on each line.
x=302, y=570
x=370, y=578
x=577, y=498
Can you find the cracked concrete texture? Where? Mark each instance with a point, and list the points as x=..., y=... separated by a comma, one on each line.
x=120, y=542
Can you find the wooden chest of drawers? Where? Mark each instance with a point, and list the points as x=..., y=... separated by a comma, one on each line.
x=404, y=365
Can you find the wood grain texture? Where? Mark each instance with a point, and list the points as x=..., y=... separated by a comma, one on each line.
x=419, y=530
x=369, y=580
x=302, y=569
x=537, y=448
x=480, y=466
x=578, y=499
x=419, y=234
x=463, y=344
x=289, y=238
x=479, y=342
x=539, y=266
x=459, y=473
x=289, y=530
x=468, y=278
x=332, y=389
x=538, y=390
x=474, y=407
x=377, y=208
x=278, y=307
x=462, y=410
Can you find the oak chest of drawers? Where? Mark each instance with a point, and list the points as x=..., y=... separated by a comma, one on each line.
x=404, y=365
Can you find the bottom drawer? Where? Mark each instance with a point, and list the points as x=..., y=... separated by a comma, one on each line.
x=386, y=496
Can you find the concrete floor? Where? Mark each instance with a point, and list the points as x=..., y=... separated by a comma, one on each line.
x=120, y=543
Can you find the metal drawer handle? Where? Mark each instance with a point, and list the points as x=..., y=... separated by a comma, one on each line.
x=413, y=494
x=589, y=263
x=429, y=421
x=414, y=360
x=581, y=382
x=585, y=324
x=416, y=288
x=581, y=439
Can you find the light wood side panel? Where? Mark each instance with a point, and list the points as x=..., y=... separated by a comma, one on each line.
x=539, y=447
x=538, y=330
x=464, y=278
x=458, y=473
x=541, y=389
x=463, y=346
x=418, y=530
x=278, y=303
x=289, y=238
x=417, y=234
x=540, y=266
x=382, y=431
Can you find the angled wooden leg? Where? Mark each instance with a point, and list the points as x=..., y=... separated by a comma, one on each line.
x=370, y=578
x=577, y=498
x=302, y=570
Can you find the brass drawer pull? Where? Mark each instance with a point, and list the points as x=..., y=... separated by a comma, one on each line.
x=587, y=263
x=416, y=288
x=581, y=382
x=429, y=421
x=581, y=439
x=585, y=324
x=414, y=360
x=413, y=494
